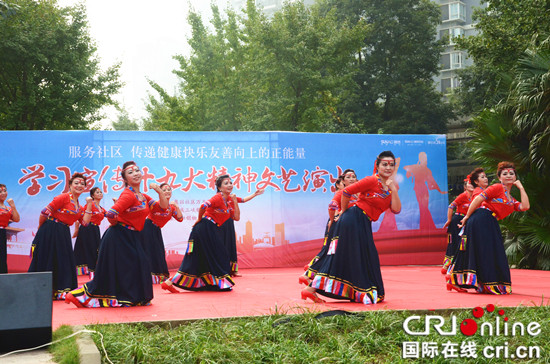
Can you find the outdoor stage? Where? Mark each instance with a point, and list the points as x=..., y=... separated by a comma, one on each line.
x=276, y=290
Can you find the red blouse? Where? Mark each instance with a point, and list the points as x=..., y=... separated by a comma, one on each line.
x=218, y=209
x=499, y=201
x=336, y=202
x=160, y=217
x=372, y=199
x=5, y=216
x=65, y=209
x=477, y=191
x=130, y=210
x=97, y=214
x=461, y=203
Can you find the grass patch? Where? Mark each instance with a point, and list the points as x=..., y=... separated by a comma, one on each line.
x=365, y=337
x=65, y=351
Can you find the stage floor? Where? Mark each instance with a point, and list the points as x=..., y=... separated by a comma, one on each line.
x=276, y=290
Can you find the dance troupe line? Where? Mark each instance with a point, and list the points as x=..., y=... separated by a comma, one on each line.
x=129, y=258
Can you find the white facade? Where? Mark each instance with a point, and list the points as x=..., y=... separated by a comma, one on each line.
x=456, y=21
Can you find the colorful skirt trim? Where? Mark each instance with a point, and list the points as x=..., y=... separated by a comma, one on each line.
x=83, y=296
x=159, y=278
x=234, y=267
x=344, y=289
x=82, y=270
x=204, y=282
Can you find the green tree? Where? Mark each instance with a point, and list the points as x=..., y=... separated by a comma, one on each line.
x=252, y=73
x=396, y=66
x=49, y=75
x=304, y=63
x=125, y=122
x=518, y=130
x=506, y=28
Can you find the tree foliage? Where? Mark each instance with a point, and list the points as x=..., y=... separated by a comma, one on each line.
x=506, y=28
x=49, y=75
x=396, y=66
x=518, y=130
x=365, y=67
x=125, y=122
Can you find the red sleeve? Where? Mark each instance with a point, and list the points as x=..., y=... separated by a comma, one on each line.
x=58, y=202
x=366, y=184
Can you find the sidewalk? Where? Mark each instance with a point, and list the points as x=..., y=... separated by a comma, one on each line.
x=41, y=356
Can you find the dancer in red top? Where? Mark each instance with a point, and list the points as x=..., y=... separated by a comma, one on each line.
x=152, y=235
x=206, y=265
x=481, y=262
x=52, y=247
x=123, y=272
x=348, y=177
x=88, y=237
x=351, y=269
x=7, y=214
x=461, y=204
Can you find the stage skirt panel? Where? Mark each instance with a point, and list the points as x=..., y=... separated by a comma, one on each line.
x=123, y=273
x=153, y=244
x=52, y=251
x=351, y=269
x=453, y=239
x=316, y=263
x=3, y=251
x=481, y=261
x=86, y=248
x=230, y=242
x=205, y=266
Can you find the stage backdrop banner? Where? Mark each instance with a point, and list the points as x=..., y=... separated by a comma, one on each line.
x=283, y=227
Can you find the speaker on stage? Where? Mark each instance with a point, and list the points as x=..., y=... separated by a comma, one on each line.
x=25, y=310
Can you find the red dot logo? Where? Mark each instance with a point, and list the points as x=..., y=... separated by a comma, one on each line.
x=501, y=312
x=478, y=312
x=468, y=327
x=490, y=307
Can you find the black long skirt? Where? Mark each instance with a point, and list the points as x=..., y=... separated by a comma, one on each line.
x=153, y=244
x=52, y=251
x=3, y=251
x=230, y=242
x=123, y=272
x=86, y=248
x=205, y=266
x=317, y=262
x=453, y=239
x=351, y=269
x=481, y=261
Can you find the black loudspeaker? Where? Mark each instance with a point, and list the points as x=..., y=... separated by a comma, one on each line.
x=25, y=310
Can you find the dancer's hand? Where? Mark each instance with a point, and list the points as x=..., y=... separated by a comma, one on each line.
x=518, y=184
x=155, y=187
x=259, y=192
x=463, y=221
x=391, y=184
x=10, y=202
x=446, y=224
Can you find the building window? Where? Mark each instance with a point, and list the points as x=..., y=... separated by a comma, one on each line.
x=450, y=34
x=448, y=84
x=456, y=60
x=453, y=11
